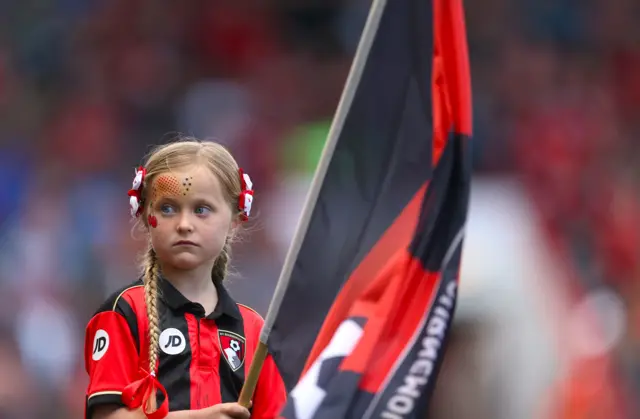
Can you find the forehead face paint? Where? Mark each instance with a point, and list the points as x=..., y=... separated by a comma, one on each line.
x=170, y=186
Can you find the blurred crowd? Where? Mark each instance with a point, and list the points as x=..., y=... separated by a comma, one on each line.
x=86, y=87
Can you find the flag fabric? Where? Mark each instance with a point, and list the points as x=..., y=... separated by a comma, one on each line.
x=362, y=325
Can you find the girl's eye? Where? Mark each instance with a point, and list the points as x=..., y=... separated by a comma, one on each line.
x=202, y=210
x=167, y=209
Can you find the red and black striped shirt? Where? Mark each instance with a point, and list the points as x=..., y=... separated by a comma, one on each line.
x=202, y=359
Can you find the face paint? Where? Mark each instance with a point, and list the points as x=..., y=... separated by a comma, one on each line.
x=186, y=185
x=168, y=185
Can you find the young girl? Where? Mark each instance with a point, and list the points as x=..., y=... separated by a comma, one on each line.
x=175, y=344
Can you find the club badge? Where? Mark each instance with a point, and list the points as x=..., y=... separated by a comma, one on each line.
x=233, y=348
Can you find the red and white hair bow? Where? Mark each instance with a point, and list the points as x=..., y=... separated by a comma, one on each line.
x=246, y=195
x=135, y=193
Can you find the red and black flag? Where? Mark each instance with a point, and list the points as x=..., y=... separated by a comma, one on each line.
x=372, y=292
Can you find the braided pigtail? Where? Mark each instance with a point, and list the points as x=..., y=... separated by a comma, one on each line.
x=221, y=265
x=150, y=280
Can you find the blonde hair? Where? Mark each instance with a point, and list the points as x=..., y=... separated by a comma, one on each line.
x=184, y=152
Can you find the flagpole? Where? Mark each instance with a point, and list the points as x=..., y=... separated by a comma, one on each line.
x=353, y=79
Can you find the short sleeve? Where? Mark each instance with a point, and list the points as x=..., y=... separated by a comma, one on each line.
x=111, y=358
x=270, y=395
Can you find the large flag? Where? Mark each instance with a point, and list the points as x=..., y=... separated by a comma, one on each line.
x=372, y=292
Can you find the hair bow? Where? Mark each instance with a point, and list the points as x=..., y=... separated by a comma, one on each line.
x=246, y=195
x=135, y=193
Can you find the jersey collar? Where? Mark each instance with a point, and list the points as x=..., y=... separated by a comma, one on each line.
x=176, y=301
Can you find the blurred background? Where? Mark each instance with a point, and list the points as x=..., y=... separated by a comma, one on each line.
x=548, y=320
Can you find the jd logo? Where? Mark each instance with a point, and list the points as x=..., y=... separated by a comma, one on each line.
x=100, y=344
x=172, y=341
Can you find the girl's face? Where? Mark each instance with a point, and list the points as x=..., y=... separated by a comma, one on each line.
x=193, y=218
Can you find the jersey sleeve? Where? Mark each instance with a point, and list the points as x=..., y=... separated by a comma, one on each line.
x=111, y=356
x=270, y=394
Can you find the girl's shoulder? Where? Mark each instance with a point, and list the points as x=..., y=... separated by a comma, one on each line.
x=124, y=300
x=250, y=315
x=116, y=323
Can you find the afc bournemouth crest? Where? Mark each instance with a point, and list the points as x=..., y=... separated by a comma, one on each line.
x=233, y=348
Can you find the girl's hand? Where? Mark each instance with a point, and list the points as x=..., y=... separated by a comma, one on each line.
x=225, y=411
